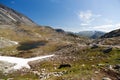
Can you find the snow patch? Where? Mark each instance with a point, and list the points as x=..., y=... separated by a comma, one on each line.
x=21, y=62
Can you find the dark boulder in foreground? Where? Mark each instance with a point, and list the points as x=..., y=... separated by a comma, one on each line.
x=117, y=66
x=93, y=46
x=64, y=66
x=107, y=50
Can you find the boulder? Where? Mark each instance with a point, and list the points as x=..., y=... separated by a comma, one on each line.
x=93, y=46
x=117, y=67
x=107, y=50
x=64, y=66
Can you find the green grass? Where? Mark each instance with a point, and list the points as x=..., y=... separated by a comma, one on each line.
x=92, y=57
x=19, y=76
x=78, y=70
x=9, y=51
x=55, y=42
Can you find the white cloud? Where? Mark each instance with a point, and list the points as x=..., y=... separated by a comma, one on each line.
x=107, y=27
x=83, y=24
x=87, y=17
x=91, y=21
x=104, y=27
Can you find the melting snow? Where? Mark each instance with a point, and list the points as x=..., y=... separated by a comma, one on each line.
x=21, y=62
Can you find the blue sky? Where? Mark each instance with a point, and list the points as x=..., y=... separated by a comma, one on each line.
x=71, y=15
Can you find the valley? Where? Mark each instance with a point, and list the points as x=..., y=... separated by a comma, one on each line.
x=37, y=52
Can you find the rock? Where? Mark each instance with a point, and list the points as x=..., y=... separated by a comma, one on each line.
x=117, y=67
x=106, y=78
x=110, y=67
x=36, y=73
x=57, y=74
x=96, y=72
x=93, y=46
x=93, y=66
x=46, y=75
x=9, y=16
x=100, y=64
x=83, y=65
x=64, y=65
x=5, y=67
x=10, y=79
x=107, y=50
x=92, y=79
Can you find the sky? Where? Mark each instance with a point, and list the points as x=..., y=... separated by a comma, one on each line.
x=71, y=15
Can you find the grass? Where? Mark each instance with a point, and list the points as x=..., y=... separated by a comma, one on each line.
x=81, y=68
x=77, y=71
x=19, y=76
x=111, y=41
x=83, y=61
x=9, y=51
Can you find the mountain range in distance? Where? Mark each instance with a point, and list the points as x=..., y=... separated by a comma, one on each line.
x=91, y=34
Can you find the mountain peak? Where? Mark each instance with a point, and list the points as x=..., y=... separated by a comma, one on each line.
x=91, y=34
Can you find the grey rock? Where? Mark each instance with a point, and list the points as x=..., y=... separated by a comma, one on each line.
x=93, y=46
x=117, y=67
x=106, y=78
x=107, y=50
x=5, y=67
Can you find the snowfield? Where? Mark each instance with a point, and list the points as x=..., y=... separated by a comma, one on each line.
x=21, y=62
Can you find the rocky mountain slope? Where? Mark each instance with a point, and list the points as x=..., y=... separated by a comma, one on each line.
x=91, y=34
x=112, y=38
x=9, y=16
x=15, y=27
x=75, y=58
x=114, y=33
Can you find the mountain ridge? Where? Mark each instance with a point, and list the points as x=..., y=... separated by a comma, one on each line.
x=91, y=34
x=114, y=33
x=9, y=16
